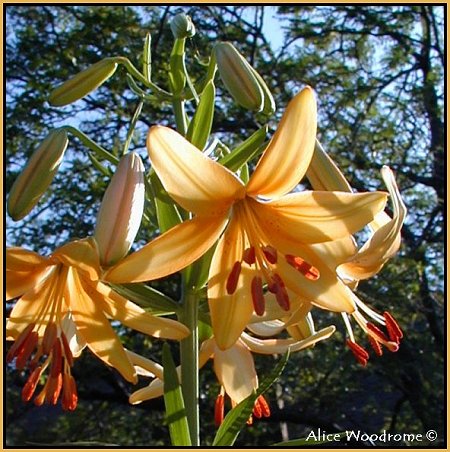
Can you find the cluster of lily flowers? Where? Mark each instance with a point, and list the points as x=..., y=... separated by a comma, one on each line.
x=280, y=252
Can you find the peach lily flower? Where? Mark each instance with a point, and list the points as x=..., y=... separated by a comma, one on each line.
x=63, y=307
x=352, y=264
x=264, y=232
x=234, y=368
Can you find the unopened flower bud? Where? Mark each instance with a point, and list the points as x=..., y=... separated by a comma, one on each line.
x=241, y=80
x=182, y=26
x=121, y=210
x=37, y=175
x=83, y=83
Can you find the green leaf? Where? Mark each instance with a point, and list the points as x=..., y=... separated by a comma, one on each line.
x=166, y=211
x=200, y=126
x=236, y=418
x=310, y=442
x=173, y=400
x=245, y=151
x=147, y=297
x=197, y=276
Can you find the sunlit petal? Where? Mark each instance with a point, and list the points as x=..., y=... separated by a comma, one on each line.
x=289, y=153
x=76, y=342
x=235, y=371
x=81, y=254
x=170, y=252
x=95, y=328
x=17, y=283
x=135, y=317
x=314, y=217
x=152, y=391
x=271, y=346
x=384, y=242
x=31, y=307
x=230, y=313
x=197, y=183
x=22, y=260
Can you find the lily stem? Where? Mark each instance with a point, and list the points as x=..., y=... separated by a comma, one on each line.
x=189, y=365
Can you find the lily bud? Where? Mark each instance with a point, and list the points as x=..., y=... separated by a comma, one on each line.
x=37, y=175
x=83, y=83
x=121, y=210
x=182, y=26
x=242, y=81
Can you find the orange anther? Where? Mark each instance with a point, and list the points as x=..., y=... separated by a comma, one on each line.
x=69, y=396
x=53, y=389
x=56, y=359
x=67, y=351
x=219, y=409
x=393, y=328
x=49, y=339
x=30, y=385
x=26, y=349
x=264, y=406
x=279, y=289
x=233, y=278
x=359, y=352
x=15, y=348
x=376, y=346
x=249, y=256
x=258, y=295
x=257, y=411
x=306, y=269
x=270, y=253
x=374, y=329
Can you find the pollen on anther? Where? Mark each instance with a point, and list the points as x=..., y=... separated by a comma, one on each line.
x=19, y=342
x=27, y=348
x=270, y=253
x=376, y=346
x=249, y=255
x=393, y=328
x=375, y=330
x=306, y=269
x=49, y=339
x=359, y=352
x=219, y=407
x=258, y=295
x=233, y=278
x=30, y=385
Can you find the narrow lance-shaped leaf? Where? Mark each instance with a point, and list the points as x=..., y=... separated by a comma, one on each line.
x=166, y=211
x=147, y=297
x=236, y=418
x=200, y=126
x=245, y=151
x=173, y=400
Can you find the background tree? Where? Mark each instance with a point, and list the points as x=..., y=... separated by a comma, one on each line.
x=378, y=72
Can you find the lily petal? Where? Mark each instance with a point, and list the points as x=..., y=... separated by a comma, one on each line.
x=31, y=307
x=76, y=342
x=95, y=328
x=193, y=180
x=17, y=283
x=133, y=316
x=272, y=346
x=22, y=260
x=314, y=217
x=81, y=254
x=287, y=157
x=170, y=252
x=384, y=242
x=235, y=371
x=327, y=292
x=229, y=313
x=152, y=391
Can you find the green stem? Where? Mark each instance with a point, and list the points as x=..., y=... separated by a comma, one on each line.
x=180, y=115
x=189, y=364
